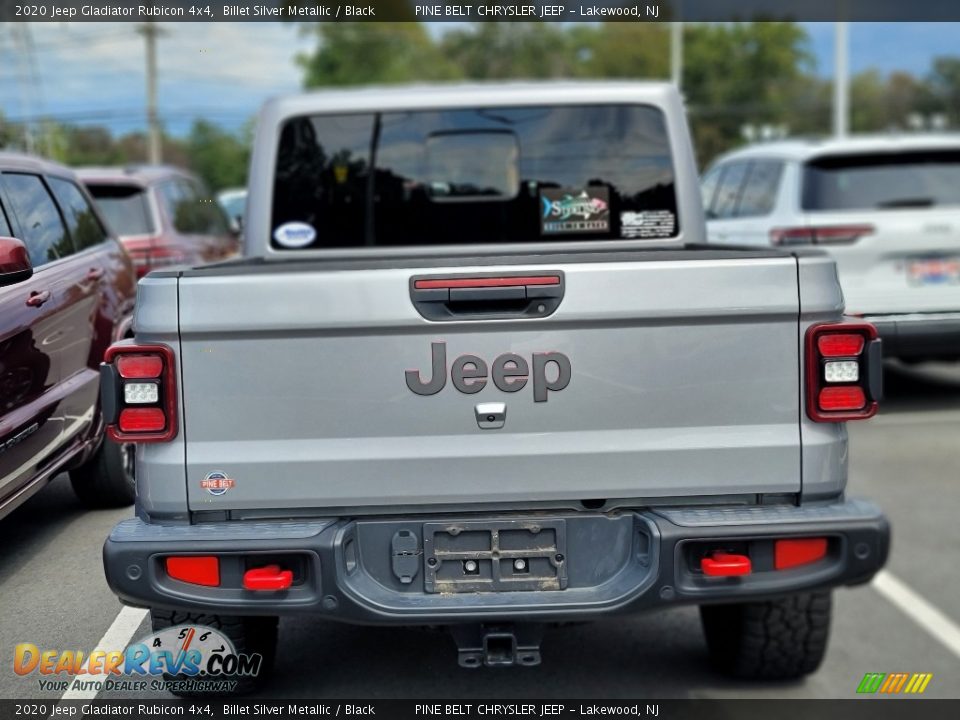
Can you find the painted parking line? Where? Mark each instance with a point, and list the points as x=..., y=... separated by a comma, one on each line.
x=930, y=618
x=117, y=637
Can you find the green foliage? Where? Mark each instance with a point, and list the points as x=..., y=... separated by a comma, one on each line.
x=499, y=51
x=622, y=50
x=944, y=88
x=365, y=53
x=219, y=157
x=741, y=73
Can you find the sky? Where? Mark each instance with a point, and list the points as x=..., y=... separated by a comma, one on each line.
x=94, y=72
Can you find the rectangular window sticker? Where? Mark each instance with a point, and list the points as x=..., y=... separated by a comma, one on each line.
x=585, y=210
x=648, y=224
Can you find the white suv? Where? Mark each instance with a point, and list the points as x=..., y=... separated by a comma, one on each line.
x=886, y=208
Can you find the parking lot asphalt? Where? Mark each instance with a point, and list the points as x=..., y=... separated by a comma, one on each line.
x=52, y=594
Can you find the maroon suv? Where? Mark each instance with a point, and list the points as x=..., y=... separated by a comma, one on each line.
x=67, y=290
x=163, y=215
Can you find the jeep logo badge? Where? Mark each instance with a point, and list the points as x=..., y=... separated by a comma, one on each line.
x=509, y=373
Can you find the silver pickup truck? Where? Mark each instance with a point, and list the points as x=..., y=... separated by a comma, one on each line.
x=479, y=370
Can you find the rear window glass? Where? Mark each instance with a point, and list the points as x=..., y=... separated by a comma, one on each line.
x=124, y=207
x=884, y=181
x=44, y=233
x=728, y=194
x=83, y=224
x=760, y=190
x=472, y=176
x=191, y=210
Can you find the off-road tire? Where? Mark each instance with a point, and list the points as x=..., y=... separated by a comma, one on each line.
x=248, y=635
x=781, y=639
x=107, y=478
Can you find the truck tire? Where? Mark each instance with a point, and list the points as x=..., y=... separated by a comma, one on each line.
x=775, y=640
x=107, y=478
x=248, y=635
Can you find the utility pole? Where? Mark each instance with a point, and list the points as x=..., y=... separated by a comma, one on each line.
x=841, y=81
x=676, y=54
x=150, y=31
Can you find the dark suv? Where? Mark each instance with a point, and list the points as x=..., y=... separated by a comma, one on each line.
x=163, y=215
x=67, y=290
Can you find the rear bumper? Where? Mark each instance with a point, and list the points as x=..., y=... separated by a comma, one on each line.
x=351, y=570
x=919, y=335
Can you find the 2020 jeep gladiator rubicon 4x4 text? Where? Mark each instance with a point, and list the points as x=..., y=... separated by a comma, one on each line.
x=478, y=370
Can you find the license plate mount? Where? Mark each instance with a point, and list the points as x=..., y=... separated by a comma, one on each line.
x=522, y=554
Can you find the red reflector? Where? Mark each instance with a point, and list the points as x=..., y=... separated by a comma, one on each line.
x=840, y=344
x=444, y=283
x=139, y=366
x=846, y=397
x=790, y=553
x=725, y=565
x=270, y=577
x=133, y=420
x=196, y=569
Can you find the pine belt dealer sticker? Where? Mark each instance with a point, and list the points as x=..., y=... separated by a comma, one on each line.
x=648, y=224
x=217, y=483
x=585, y=210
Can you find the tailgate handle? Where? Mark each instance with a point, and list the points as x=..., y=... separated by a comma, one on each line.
x=487, y=296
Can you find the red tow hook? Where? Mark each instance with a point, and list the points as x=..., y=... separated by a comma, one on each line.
x=270, y=577
x=725, y=565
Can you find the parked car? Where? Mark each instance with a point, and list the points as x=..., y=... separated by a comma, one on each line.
x=886, y=209
x=163, y=215
x=234, y=203
x=480, y=371
x=66, y=293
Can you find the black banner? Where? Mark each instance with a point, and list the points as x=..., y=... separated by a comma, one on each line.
x=170, y=11
x=220, y=709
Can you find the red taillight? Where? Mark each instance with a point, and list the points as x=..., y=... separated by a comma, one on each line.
x=140, y=420
x=833, y=399
x=799, y=551
x=840, y=344
x=843, y=371
x=139, y=397
x=823, y=235
x=139, y=366
x=195, y=569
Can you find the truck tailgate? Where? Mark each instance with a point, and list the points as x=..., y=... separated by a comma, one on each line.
x=684, y=381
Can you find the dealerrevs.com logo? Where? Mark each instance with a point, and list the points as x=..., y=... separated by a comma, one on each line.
x=184, y=658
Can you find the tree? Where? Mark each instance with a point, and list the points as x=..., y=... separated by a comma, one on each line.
x=740, y=73
x=622, y=50
x=944, y=88
x=365, y=53
x=503, y=51
x=217, y=156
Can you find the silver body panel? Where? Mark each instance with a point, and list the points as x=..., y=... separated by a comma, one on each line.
x=686, y=374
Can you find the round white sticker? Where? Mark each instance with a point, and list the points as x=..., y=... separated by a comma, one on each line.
x=295, y=235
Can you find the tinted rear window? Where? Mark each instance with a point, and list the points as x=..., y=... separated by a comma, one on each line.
x=884, y=181
x=125, y=208
x=471, y=176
